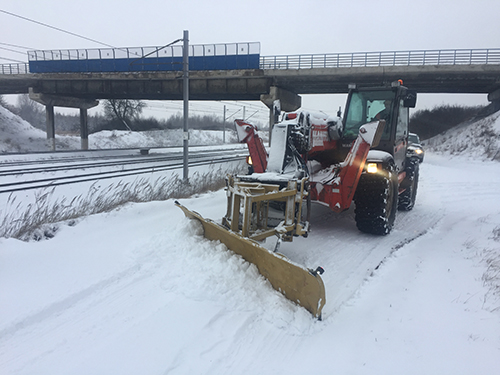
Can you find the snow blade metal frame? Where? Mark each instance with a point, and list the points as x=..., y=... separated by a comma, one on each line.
x=254, y=199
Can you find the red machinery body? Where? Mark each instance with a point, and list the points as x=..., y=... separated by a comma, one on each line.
x=331, y=183
x=247, y=133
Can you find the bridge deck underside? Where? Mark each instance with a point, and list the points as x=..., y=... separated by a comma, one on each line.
x=251, y=83
x=424, y=79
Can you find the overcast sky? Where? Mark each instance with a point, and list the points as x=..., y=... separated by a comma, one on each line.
x=282, y=27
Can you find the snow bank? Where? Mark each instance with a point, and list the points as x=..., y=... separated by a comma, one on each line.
x=156, y=138
x=17, y=135
x=474, y=140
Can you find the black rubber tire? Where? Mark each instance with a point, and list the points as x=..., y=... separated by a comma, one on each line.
x=376, y=202
x=407, y=198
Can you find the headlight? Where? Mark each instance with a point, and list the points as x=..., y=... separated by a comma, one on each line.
x=418, y=151
x=249, y=160
x=372, y=168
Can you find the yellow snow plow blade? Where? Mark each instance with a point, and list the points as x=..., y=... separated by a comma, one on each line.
x=300, y=285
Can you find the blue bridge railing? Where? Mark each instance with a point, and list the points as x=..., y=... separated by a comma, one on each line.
x=139, y=59
x=233, y=56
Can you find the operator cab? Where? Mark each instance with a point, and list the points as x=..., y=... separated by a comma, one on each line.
x=373, y=104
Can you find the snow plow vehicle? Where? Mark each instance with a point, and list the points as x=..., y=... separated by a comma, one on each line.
x=332, y=161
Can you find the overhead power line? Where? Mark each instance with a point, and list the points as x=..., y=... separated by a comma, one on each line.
x=55, y=28
x=17, y=61
x=16, y=46
x=12, y=50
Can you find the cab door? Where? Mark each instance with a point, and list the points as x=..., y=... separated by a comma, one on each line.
x=401, y=137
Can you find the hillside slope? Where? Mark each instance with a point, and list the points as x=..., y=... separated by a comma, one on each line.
x=474, y=139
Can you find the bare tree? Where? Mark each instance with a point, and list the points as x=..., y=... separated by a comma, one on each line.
x=30, y=111
x=123, y=110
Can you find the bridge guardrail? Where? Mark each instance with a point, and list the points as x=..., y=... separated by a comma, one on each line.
x=224, y=56
x=220, y=49
x=157, y=58
x=389, y=58
x=14, y=68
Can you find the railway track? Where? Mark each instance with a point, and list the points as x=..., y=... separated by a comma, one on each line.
x=54, y=170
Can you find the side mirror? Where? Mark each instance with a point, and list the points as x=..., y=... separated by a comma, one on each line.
x=276, y=110
x=410, y=100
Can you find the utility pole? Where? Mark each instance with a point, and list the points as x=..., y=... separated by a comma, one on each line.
x=185, y=94
x=224, y=126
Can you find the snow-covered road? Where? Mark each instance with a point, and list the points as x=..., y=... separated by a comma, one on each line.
x=140, y=291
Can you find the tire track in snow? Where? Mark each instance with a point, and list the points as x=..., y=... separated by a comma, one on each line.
x=56, y=308
x=47, y=328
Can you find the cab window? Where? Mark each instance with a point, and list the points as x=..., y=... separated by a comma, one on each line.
x=367, y=106
x=402, y=126
x=355, y=117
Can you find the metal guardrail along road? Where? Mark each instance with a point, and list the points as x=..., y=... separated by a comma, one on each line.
x=16, y=68
x=374, y=59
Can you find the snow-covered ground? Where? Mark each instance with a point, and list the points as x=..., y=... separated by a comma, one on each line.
x=17, y=135
x=20, y=208
x=478, y=140
x=139, y=290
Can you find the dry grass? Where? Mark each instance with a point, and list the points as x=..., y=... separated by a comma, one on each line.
x=42, y=219
x=491, y=277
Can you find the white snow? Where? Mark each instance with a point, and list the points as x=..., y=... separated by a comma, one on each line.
x=477, y=140
x=17, y=135
x=140, y=291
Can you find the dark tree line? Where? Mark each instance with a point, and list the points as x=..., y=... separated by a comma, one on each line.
x=428, y=123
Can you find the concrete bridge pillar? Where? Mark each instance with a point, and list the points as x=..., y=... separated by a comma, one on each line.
x=51, y=101
x=49, y=121
x=494, y=95
x=289, y=102
x=494, y=98
x=84, y=129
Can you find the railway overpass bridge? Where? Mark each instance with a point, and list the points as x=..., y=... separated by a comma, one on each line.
x=79, y=78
